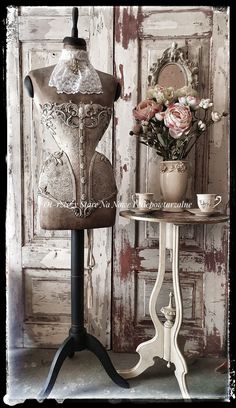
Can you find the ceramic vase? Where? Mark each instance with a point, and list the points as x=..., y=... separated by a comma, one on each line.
x=173, y=184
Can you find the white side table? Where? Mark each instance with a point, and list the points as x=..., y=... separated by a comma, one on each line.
x=164, y=344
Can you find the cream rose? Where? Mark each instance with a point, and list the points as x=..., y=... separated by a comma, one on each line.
x=185, y=91
x=169, y=95
x=146, y=109
x=156, y=92
x=178, y=119
x=205, y=103
x=216, y=116
x=191, y=101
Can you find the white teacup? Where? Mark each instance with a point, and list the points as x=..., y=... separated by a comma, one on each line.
x=142, y=200
x=207, y=202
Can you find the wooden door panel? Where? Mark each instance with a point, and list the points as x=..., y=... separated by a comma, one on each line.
x=191, y=286
x=15, y=307
x=142, y=34
x=176, y=22
x=48, y=296
x=43, y=256
x=39, y=260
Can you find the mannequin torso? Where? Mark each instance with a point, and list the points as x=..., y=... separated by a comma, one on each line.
x=77, y=188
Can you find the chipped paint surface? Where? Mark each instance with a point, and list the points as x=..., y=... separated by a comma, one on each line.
x=125, y=158
x=126, y=96
x=45, y=255
x=203, y=258
x=216, y=288
x=15, y=312
x=177, y=24
x=216, y=277
x=56, y=259
x=203, y=250
x=127, y=22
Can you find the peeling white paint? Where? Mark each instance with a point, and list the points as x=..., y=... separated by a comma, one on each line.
x=155, y=35
x=56, y=259
x=220, y=95
x=215, y=313
x=177, y=24
x=41, y=247
x=46, y=251
x=165, y=25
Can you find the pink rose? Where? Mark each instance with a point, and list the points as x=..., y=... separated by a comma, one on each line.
x=146, y=109
x=178, y=119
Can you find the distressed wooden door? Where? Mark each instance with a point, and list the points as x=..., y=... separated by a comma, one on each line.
x=141, y=36
x=38, y=267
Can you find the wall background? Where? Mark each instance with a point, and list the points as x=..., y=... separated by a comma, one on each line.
x=123, y=41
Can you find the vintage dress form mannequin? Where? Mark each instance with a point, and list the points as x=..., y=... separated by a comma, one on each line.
x=74, y=175
x=77, y=189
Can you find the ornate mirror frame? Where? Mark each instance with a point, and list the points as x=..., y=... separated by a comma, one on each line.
x=176, y=56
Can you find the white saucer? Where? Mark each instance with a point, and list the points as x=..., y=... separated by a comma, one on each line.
x=200, y=213
x=144, y=210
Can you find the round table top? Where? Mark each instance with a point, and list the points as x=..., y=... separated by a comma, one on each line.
x=183, y=217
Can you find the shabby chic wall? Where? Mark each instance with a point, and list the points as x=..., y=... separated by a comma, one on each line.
x=122, y=41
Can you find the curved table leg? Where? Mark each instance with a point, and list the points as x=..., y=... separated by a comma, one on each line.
x=96, y=347
x=64, y=350
x=176, y=356
x=154, y=347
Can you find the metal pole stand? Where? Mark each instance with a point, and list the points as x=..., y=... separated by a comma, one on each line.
x=78, y=338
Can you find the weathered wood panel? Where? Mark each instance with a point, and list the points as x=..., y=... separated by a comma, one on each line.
x=44, y=335
x=101, y=56
x=149, y=258
x=142, y=36
x=13, y=216
x=53, y=11
x=45, y=255
x=49, y=28
x=217, y=237
x=47, y=296
x=192, y=292
x=126, y=66
x=179, y=24
x=176, y=9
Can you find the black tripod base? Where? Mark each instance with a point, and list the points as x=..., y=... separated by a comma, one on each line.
x=75, y=343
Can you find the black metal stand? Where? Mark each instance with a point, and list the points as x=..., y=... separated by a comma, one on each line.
x=78, y=338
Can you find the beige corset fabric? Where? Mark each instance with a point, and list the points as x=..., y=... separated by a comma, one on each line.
x=76, y=176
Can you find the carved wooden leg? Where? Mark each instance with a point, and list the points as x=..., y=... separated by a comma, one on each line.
x=169, y=313
x=154, y=347
x=176, y=356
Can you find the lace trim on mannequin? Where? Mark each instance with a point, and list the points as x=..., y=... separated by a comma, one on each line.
x=73, y=114
x=74, y=73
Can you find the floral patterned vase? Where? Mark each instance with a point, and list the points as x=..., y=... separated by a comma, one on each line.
x=173, y=184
